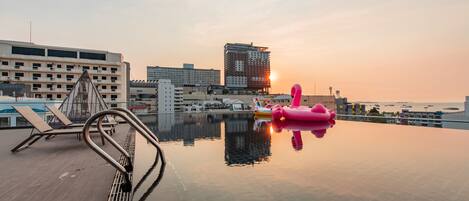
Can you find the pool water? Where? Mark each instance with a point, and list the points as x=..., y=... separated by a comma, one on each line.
x=234, y=157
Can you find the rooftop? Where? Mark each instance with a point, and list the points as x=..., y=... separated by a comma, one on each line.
x=61, y=168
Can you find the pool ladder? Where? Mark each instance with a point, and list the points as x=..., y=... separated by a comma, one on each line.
x=127, y=169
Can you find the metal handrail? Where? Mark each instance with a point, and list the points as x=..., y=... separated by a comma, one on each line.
x=129, y=167
x=136, y=120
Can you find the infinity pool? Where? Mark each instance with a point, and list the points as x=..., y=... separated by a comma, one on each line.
x=234, y=157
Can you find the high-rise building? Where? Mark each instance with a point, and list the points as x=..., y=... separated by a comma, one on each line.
x=185, y=76
x=165, y=96
x=52, y=71
x=247, y=67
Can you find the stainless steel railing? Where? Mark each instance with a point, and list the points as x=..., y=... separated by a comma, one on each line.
x=135, y=123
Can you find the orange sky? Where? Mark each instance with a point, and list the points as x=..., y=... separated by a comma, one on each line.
x=370, y=50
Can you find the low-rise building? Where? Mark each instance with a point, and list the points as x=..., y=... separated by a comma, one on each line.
x=306, y=100
x=345, y=107
x=155, y=97
x=51, y=71
x=421, y=118
x=463, y=115
x=178, y=99
x=185, y=76
x=10, y=118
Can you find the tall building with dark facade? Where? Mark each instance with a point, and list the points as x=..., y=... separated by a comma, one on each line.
x=247, y=67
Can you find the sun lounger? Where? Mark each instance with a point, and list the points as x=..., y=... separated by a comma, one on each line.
x=66, y=121
x=43, y=128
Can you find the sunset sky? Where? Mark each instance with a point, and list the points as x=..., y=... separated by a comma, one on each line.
x=371, y=50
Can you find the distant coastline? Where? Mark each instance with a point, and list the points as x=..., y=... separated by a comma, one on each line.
x=398, y=106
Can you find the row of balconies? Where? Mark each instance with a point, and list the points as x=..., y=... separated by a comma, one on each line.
x=53, y=79
x=64, y=90
x=54, y=69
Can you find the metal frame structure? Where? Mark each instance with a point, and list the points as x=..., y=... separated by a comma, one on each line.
x=83, y=100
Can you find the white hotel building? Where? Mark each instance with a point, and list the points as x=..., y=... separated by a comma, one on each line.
x=51, y=72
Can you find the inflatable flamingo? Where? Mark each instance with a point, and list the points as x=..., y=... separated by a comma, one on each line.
x=261, y=111
x=301, y=113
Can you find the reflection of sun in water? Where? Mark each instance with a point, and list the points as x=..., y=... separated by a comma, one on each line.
x=273, y=76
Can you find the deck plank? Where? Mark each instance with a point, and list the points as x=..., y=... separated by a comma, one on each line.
x=62, y=168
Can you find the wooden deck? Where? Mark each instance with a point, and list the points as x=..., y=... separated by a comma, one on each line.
x=61, y=168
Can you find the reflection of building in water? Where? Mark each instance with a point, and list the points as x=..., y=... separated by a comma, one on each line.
x=243, y=145
x=165, y=121
x=186, y=127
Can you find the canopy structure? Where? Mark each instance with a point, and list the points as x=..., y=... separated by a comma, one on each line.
x=83, y=100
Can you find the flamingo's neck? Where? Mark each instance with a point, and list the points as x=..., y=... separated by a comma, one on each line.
x=296, y=98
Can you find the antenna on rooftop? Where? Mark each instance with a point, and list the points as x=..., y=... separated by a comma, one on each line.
x=30, y=31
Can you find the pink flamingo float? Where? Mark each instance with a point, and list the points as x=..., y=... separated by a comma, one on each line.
x=301, y=113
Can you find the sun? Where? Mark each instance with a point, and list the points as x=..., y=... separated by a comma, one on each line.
x=273, y=76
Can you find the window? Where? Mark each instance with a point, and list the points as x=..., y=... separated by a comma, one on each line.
x=93, y=56
x=36, y=85
x=104, y=68
x=113, y=70
x=20, y=121
x=69, y=86
x=5, y=63
x=49, y=96
x=37, y=65
x=37, y=96
x=59, y=65
x=85, y=68
x=104, y=96
x=95, y=77
x=36, y=75
x=95, y=68
x=69, y=77
x=50, y=65
x=104, y=87
x=59, y=76
x=19, y=74
x=4, y=73
x=59, y=86
x=28, y=51
x=49, y=86
x=59, y=96
x=103, y=77
x=61, y=53
x=239, y=65
x=19, y=64
x=49, y=75
x=4, y=121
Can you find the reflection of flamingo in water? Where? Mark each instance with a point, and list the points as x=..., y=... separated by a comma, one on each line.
x=318, y=129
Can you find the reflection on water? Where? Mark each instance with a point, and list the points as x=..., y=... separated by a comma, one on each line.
x=318, y=129
x=234, y=157
x=243, y=144
x=188, y=128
